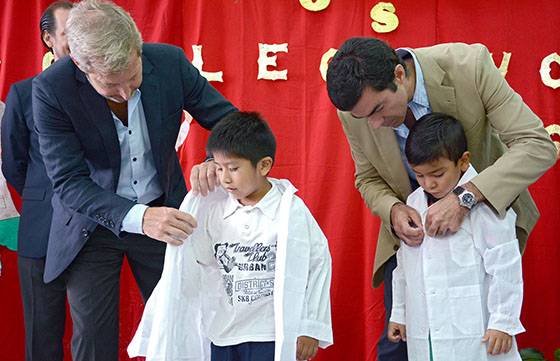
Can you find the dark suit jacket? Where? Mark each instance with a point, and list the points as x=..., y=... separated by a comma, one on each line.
x=24, y=169
x=81, y=151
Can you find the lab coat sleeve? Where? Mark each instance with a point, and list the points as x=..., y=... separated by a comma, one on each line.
x=495, y=239
x=398, y=312
x=316, y=318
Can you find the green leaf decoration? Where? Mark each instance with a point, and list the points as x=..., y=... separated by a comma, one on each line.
x=532, y=354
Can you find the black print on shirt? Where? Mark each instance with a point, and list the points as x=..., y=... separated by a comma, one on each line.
x=241, y=286
x=220, y=252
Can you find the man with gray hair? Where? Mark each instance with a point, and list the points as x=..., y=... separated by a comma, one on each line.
x=107, y=119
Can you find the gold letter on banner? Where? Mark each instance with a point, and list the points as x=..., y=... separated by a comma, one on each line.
x=505, y=63
x=325, y=62
x=315, y=5
x=555, y=129
x=197, y=62
x=384, y=18
x=264, y=61
x=545, y=70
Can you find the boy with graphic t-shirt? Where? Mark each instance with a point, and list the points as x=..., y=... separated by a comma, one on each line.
x=252, y=282
x=455, y=297
x=260, y=218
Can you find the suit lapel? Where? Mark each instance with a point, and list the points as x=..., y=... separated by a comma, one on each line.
x=99, y=114
x=151, y=103
x=388, y=149
x=441, y=97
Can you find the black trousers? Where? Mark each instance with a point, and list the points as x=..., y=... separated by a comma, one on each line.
x=44, y=311
x=387, y=350
x=93, y=286
x=247, y=351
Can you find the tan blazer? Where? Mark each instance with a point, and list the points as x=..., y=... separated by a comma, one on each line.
x=509, y=145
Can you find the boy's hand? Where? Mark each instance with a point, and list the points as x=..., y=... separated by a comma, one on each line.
x=204, y=178
x=306, y=348
x=407, y=224
x=498, y=342
x=396, y=332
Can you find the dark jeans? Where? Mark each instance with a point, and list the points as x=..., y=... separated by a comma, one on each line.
x=387, y=350
x=248, y=351
x=44, y=311
x=93, y=286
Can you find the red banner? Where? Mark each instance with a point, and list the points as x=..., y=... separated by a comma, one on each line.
x=237, y=38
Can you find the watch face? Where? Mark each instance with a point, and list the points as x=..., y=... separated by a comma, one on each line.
x=468, y=199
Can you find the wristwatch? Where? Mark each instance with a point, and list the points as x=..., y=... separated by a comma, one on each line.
x=466, y=198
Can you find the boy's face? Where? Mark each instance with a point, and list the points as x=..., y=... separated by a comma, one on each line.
x=442, y=175
x=245, y=182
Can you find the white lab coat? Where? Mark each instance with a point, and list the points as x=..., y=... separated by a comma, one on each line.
x=456, y=287
x=177, y=315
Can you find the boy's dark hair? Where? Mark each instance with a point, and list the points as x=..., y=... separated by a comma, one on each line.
x=242, y=134
x=360, y=63
x=48, y=22
x=434, y=136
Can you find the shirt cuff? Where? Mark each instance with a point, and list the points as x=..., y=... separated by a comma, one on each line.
x=132, y=222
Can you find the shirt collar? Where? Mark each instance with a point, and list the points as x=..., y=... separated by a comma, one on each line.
x=420, y=96
x=268, y=205
x=133, y=101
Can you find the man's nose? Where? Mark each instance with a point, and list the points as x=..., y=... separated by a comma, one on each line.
x=375, y=121
x=125, y=92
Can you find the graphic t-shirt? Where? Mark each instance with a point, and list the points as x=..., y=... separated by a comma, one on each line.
x=243, y=241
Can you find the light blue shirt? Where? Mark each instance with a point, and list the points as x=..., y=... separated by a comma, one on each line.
x=138, y=180
x=419, y=105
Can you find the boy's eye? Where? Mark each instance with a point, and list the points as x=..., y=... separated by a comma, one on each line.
x=438, y=175
x=219, y=169
x=233, y=169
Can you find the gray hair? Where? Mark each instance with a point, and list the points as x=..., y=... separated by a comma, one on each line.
x=102, y=36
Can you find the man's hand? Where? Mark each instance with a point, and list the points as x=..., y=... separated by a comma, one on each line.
x=306, y=348
x=407, y=224
x=498, y=342
x=167, y=224
x=445, y=216
x=396, y=332
x=204, y=177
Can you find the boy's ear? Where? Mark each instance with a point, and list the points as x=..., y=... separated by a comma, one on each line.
x=264, y=166
x=465, y=161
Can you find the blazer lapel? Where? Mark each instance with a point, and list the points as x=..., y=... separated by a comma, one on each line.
x=388, y=149
x=441, y=97
x=98, y=112
x=151, y=103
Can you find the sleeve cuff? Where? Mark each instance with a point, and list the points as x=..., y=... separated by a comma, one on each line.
x=132, y=222
x=398, y=316
x=505, y=324
x=318, y=330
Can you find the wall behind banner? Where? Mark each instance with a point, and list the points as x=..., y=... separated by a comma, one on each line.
x=312, y=150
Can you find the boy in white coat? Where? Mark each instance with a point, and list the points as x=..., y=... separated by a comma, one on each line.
x=257, y=267
x=456, y=297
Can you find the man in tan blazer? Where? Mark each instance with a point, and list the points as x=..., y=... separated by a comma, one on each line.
x=380, y=93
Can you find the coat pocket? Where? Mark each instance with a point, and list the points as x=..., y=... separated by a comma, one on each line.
x=466, y=309
x=461, y=247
